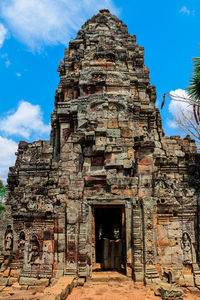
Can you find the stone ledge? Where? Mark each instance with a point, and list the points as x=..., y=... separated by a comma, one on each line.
x=33, y=281
x=60, y=290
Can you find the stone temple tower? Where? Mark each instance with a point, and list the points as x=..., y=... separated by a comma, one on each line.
x=109, y=190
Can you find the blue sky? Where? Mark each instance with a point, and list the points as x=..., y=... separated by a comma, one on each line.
x=34, y=34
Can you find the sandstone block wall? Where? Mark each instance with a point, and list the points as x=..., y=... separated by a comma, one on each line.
x=107, y=149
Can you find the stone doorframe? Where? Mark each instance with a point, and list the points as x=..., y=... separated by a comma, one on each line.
x=127, y=211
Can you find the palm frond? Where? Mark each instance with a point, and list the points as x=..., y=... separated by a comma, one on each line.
x=194, y=83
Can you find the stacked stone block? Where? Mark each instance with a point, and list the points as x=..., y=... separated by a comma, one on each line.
x=107, y=148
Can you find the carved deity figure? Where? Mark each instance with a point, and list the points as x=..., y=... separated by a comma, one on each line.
x=186, y=246
x=34, y=250
x=26, y=254
x=21, y=244
x=47, y=256
x=9, y=238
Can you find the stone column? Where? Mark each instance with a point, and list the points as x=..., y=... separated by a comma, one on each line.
x=84, y=246
x=144, y=158
x=60, y=240
x=72, y=232
x=137, y=236
x=128, y=213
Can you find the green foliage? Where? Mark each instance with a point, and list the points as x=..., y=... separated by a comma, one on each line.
x=2, y=190
x=1, y=184
x=2, y=196
x=194, y=87
x=2, y=208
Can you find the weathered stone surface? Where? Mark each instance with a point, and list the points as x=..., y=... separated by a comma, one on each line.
x=33, y=281
x=108, y=171
x=61, y=289
x=171, y=293
x=3, y=281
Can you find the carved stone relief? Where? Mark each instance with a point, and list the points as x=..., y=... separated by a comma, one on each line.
x=9, y=238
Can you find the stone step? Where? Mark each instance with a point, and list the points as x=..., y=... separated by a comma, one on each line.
x=196, y=272
x=196, y=269
x=195, y=266
x=60, y=290
x=152, y=274
x=34, y=274
x=105, y=276
x=148, y=271
x=15, y=264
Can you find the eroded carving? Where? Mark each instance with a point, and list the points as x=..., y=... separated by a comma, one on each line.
x=186, y=246
x=21, y=244
x=34, y=250
x=9, y=238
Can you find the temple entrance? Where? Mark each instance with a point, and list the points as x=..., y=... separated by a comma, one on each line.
x=109, y=233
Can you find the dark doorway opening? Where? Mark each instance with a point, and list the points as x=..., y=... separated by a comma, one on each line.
x=110, y=236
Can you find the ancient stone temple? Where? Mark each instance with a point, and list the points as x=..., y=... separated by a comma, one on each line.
x=109, y=189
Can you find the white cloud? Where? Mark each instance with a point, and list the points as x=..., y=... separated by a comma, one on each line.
x=26, y=122
x=7, y=63
x=5, y=58
x=49, y=22
x=184, y=10
x=3, y=33
x=7, y=156
x=177, y=105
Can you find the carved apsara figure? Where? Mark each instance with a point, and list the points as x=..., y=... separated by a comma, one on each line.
x=21, y=244
x=8, y=238
x=34, y=250
x=186, y=246
x=47, y=257
x=26, y=253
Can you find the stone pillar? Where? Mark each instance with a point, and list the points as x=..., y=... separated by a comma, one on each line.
x=128, y=212
x=56, y=140
x=137, y=236
x=144, y=158
x=60, y=239
x=84, y=246
x=149, y=210
x=72, y=232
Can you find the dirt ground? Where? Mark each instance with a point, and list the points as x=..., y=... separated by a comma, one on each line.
x=120, y=291
x=115, y=286
x=102, y=286
x=112, y=291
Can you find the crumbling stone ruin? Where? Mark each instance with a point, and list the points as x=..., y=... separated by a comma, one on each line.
x=109, y=189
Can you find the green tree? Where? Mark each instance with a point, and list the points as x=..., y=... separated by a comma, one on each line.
x=194, y=86
x=187, y=118
x=2, y=196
